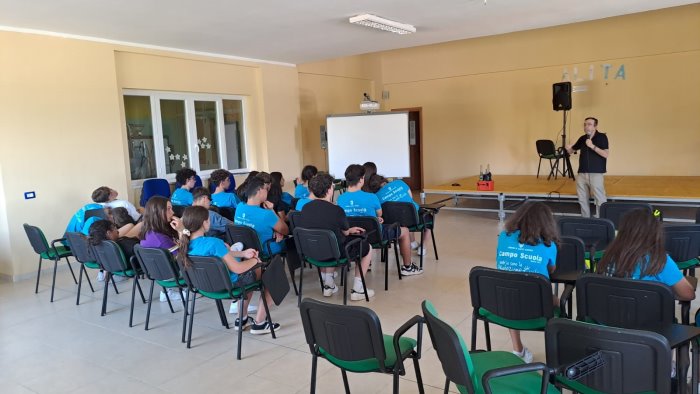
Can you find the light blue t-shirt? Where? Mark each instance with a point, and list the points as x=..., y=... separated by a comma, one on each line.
x=77, y=222
x=287, y=198
x=210, y=246
x=181, y=197
x=359, y=203
x=262, y=221
x=511, y=255
x=302, y=202
x=396, y=190
x=669, y=275
x=88, y=223
x=225, y=200
x=301, y=191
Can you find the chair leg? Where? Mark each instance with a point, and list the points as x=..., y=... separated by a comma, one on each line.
x=419, y=377
x=108, y=276
x=138, y=285
x=80, y=283
x=386, y=272
x=182, y=297
x=396, y=381
x=71, y=270
x=301, y=281
x=114, y=284
x=362, y=278
x=432, y=235
x=222, y=314
x=320, y=277
x=291, y=276
x=398, y=263
x=314, y=361
x=488, y=336
x=345, y=381
x=184, y=315
x=150, y=301
x=538, y=175
x=240, y=326
x=133, y=297
x=344, y=281
x=88, y=279
x=475, y=321
x=447, y=386
x=167, y=297
x=38, y=274
x=267, y=313
x=189, y=334
x=53, y=282
x=421, y=248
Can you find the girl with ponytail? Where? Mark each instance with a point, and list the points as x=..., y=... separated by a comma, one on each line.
x=193, y=242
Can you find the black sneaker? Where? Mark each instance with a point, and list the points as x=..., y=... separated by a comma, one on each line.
x=408, y=270
x=246, y=320
x=263, y=328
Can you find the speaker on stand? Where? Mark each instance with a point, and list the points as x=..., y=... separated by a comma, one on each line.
x=561, y=101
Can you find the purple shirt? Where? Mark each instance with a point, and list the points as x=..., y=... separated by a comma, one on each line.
x=157, y=240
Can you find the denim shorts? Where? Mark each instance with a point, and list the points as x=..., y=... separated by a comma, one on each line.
x=245, y=279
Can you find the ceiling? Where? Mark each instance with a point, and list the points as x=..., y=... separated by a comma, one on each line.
x=300, y=31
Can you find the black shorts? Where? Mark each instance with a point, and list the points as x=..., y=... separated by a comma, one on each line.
x=245, y=279
x=390, y=232
x=354, y=250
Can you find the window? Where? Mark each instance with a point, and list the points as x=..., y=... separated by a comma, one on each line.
x=168, y=131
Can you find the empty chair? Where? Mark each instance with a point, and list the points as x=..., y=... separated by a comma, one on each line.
x=373, y=229
x=683, y=245
x=596, y=234
x=635, y=361
x=351, y=338
x=406, y=215
x=154, y=187
x=548, y=151
x=571, y=259
x=616, y=210
x=47, y=251
x=83, y=254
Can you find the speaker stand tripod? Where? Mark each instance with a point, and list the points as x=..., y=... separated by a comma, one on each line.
x=567, y=171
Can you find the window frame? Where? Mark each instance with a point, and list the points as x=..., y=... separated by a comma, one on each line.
x=156, y=96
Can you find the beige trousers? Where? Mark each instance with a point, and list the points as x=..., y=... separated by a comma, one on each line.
x=587, y=184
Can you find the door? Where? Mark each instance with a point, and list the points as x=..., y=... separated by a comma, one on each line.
x=415, y=182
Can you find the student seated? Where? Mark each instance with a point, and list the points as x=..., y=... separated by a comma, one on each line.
x=356, y=202
x=77, y=222
x=280, y=200
x=303, y=201
x=107, y=197
x=531, y=230
x=217, y=223
x=278, y=179
x=321, y=213
x=258, y=214
x=398, y=190
x=103, y=230
x=220, y=198
x=195, y=224
x=183, y=194
x=638, y=252
x=302, y=190
x=240, y=191
x=370, y=169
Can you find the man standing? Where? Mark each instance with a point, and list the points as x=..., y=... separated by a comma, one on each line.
x=591, y=165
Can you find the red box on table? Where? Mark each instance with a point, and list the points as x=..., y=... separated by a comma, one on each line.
x=484, y=185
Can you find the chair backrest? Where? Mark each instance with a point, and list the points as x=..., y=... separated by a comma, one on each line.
x=511, y=295
x=227, y=212
x=110, y=256
x=683, y=241
x=100, y=213
x=400, y=212
x=36, y=238
x=154, y=187
x=635, y=361
x=371, y=226
x=80, y=246
x=616, y=210
x=292, y=216
x=594, y=232
x=347, y=333
x=545, y=148
x=157, y=264
x=316, y=244
x=208, y=274
x=450, y=348
x=624, y=303
x=697, y=216
x=230, y=189
x=571, y=254
x=245, y=235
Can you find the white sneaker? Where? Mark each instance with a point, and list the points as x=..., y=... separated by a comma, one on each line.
x=359, y=296
x=237, y=247
x=410, y=270
x=118, y=278
x=421, y=251
x=233, y=309
x=525, y=355
x=414, y=245
x=172, y=294
x=329, y=290
x=101, y=276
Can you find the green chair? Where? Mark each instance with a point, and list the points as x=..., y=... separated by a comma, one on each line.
x=351, y=338
x=210, y=277
x=516, y=300
x=406, y=215
x=596, y=233
x=482, y=372
x=49, y=252
x=82, y=252
x=683, y=245
x=373, y=229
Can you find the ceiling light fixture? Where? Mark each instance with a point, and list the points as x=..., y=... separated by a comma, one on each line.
x=376, y=22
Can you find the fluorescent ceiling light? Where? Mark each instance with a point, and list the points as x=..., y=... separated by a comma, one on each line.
x=376, y=22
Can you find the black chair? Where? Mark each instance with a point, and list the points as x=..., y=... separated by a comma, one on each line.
x=571, y=259
x=47, y=251
x=516, y=300
x=596, y=233
x=351, y=338
x=178, y=210
x=683, y=245
x=473, y=372
x=159, y=266
x=373, y=229
x=99, y=212
x=635, y=361
x=548, y=151
x=111, y=257
x=624, y=303
x=697, y=216
x=210, y=277
x=319, y=247
x=228, y=212
x=616, y=210
x=82, y=252
x=405, y=214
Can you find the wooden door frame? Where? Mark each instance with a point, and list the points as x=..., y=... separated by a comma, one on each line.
x=420, y=144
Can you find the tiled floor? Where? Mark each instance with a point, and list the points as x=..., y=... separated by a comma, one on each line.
x=60, y=347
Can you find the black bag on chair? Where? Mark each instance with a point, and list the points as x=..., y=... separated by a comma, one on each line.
x=275, y=280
